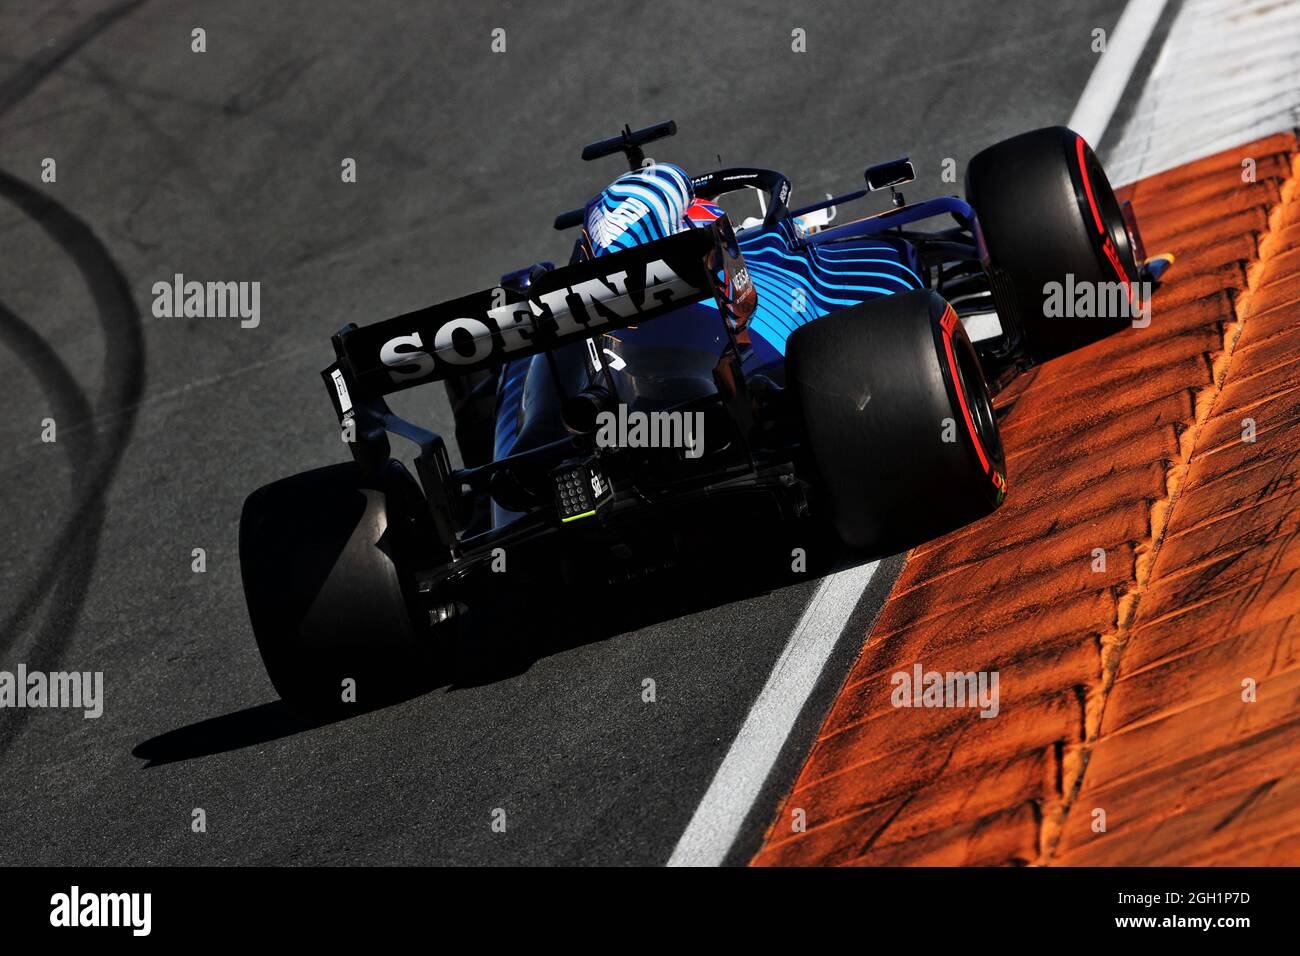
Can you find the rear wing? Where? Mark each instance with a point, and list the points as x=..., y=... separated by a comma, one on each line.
x=488, y=328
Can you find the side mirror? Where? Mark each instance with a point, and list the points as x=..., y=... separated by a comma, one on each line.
x=521, y=280
x=889, y=175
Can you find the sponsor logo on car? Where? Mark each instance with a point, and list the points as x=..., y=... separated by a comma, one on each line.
x=569, y=311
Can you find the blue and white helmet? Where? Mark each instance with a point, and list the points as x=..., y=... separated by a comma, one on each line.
x=640, y=206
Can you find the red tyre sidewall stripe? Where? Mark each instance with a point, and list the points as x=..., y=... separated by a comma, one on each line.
x=1087, y=186
x=947, y=324
x=1107, y=243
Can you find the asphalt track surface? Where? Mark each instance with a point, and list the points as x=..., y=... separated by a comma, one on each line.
x=225, y=166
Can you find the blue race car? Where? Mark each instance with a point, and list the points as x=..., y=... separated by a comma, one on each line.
x=678, y=378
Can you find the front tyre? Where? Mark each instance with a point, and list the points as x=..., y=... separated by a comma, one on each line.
x=1049, y=215
x=898, y=420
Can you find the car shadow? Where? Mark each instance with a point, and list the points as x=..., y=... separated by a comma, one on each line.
x=243, y=728
x=545, y=624
x=260, y=724
x=557, y=619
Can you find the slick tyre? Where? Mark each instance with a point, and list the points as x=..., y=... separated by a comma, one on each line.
x=321, y=555
x=1049, y=215
x=898, y=420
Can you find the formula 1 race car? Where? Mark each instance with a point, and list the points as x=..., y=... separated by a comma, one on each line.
x=679, y=377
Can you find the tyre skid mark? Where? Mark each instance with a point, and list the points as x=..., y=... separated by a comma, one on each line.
x=69, y=561
x=32, y=73
x=69, y=404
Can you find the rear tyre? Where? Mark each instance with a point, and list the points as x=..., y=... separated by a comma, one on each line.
x=1047, y=211
x=898, y=420
x=321, y=556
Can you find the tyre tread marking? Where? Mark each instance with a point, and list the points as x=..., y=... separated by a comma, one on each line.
x=1107, y=244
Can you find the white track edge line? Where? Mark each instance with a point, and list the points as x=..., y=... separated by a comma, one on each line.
x=1110, y=76
x=718, y=818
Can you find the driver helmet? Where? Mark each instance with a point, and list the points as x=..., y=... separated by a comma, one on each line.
x=641, y=206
